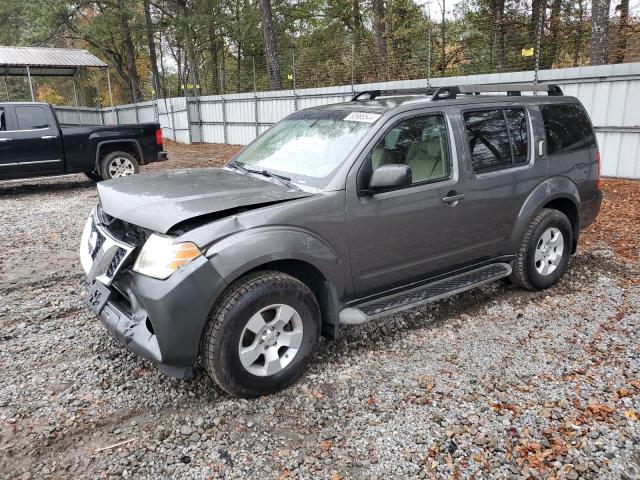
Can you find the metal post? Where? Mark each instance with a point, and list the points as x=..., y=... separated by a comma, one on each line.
x=33, y=98
x=255, y=98
x=135, y=109
x=293, y=76
x=75, y=96
x=224, y=120
x=429, y=60
x=538, y=44
x=111, y=96
x=353, y=64
x=6, y=87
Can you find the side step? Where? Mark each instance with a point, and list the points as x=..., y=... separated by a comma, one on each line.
x=424, y=294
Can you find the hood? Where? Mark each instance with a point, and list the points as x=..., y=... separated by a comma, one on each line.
x=161, y=200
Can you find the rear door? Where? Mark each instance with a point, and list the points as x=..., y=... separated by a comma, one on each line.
x=37, y=141
x=503, y=168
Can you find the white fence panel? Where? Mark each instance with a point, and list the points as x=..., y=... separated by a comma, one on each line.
x=608, y=92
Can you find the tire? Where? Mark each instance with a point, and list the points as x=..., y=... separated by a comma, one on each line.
x=93, y=176
x=236, y=323
x=540, y=262
x=118, y=164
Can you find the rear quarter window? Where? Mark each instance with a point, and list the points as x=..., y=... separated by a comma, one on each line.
x=567, y=128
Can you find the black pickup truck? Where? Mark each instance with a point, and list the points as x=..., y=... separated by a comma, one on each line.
x=33, y=144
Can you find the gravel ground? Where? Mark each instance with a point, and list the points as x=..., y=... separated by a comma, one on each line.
x=493, y=383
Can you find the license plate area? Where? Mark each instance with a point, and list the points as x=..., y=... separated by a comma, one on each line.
x=96, y=295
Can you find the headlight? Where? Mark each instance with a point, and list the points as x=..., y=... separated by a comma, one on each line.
x=160, y=257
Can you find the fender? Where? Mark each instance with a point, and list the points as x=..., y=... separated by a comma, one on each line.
x=246, y=250
x=550, y=189
x=135, y=143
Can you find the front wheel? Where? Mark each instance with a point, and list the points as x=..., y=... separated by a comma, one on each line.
x=119, y=164
x=544, y=253
x=261, y=334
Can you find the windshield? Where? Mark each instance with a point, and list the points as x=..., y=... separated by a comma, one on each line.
x=307, y=147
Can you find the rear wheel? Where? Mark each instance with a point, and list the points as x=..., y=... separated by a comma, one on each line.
x=261, y=334
x=118, y=164
x=544, y=253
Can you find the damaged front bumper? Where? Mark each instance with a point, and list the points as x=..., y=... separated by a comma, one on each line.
x=159, y=320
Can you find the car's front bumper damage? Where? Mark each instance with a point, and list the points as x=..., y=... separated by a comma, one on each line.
x=159, y=320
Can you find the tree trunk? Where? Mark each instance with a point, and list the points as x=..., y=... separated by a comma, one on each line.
x=151, y=42
x=579, y=34
x=132, y=71
x=443, y=50
x=379, y=24
x=273, y=69
x=499, y=35
x=599, y=47
x=554, y=27
x=622, y=31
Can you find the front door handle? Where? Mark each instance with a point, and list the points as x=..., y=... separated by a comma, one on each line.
x=48, y=137
x=5, y=139
x=453, y=197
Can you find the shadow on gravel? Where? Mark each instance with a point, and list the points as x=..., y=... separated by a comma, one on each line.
x=437, y=314
x=16, y=188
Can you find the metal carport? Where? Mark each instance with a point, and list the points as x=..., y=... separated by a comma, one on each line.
x=54, y=62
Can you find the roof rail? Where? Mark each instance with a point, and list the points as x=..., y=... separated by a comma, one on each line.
x=372, y=94
x=512, y=89
x=451, y=92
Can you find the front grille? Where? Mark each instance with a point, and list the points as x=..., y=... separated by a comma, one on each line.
x=123, y=231
x=108, y=254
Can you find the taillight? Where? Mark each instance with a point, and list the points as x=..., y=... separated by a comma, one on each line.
x=159, y=136
x=598, y=180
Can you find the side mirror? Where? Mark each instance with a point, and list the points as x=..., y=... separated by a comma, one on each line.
x=389, y=177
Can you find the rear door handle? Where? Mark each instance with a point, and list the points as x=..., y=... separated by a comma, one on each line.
x=48, y=137
x=581, y=165
x=453, y=197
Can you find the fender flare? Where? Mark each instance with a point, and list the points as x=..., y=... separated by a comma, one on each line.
x=552, y=188
x=135, y=143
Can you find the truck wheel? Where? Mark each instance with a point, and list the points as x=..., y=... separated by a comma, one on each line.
x=118, y=164
x=544, y=253
x=261, y=334
x=96, y=177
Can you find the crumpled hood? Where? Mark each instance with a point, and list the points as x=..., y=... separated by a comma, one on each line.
x=160, y=200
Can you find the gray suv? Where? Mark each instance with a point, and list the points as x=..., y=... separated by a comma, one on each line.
x=335, y=216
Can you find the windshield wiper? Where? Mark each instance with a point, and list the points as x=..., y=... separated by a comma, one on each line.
x=283, y=179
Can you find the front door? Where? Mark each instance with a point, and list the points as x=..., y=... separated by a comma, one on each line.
x=409, y=234
x=37, y=141
x=8, y=163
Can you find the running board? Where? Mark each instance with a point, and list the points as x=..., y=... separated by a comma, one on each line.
x=424, y=294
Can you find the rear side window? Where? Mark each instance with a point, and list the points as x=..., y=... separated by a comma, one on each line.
x=3, y=124
x=497, y=138
x=31, y=117
x=567, y=127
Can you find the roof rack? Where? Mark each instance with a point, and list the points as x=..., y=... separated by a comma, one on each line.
x=451, y=92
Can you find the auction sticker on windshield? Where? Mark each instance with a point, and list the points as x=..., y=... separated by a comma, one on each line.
x=362, y=117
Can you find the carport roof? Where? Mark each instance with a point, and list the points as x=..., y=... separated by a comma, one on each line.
x=46, y=61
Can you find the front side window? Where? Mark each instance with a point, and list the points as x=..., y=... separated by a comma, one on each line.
x=3, y=124
x=567, y=128
x=307, y=147
x=497, y=138
x=31, y=117
x=419, y=142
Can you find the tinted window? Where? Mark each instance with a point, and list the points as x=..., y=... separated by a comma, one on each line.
x=488, y=140
x=31, y=117
x=497, y=138
x=421, y=143
x=3, y=125
x=567, y=128
x=517, y=124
